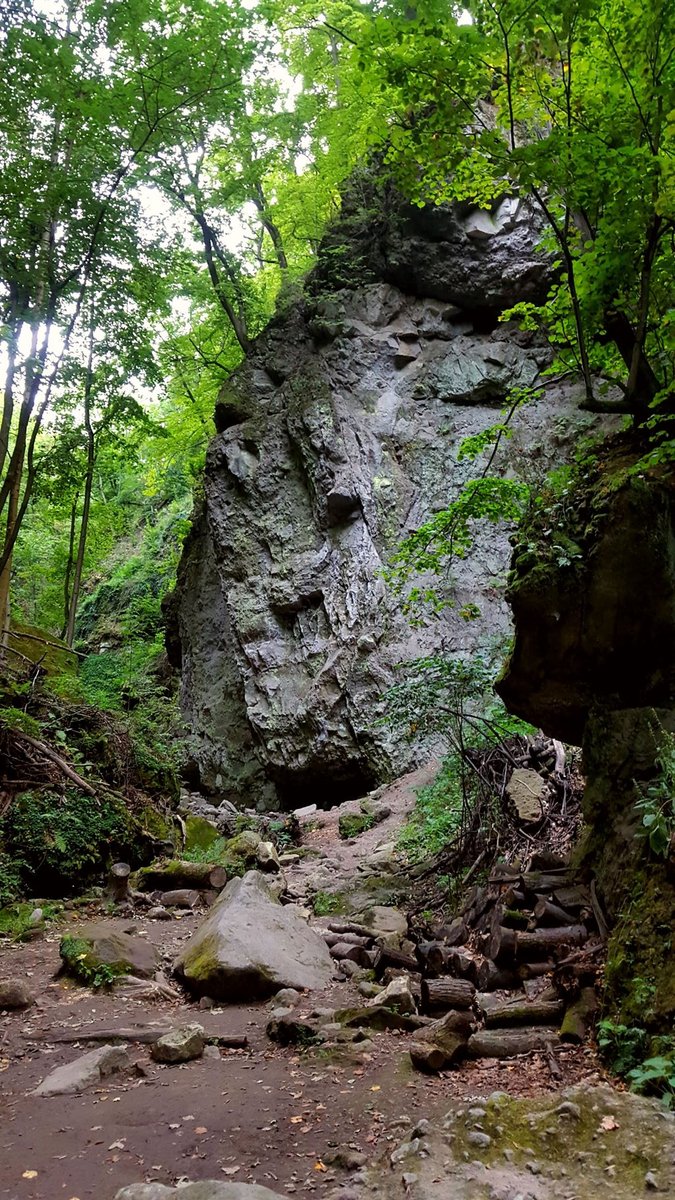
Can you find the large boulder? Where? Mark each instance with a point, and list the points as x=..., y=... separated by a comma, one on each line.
x=249, y=946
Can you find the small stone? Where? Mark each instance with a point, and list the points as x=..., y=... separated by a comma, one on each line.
x=569, y=1109
x=508, y=1155
x=409, y=1179
x=36, y=917
x=157, y=913
x=422, y=1128
x=534, y=1168
x=651, y=1182
x=181, y=1045
x=286, y=998
x=205, y=1003
x=404, y=1151
x=211, y=1052
x=477, y=1114
x=15, y=994
x=478, y=1138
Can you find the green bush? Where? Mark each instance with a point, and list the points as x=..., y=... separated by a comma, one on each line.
x=625, y=1048
x=55, y=841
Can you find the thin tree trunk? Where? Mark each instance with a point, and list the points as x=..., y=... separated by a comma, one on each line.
x=268, y=224
x=69, y=566
x=88, y=488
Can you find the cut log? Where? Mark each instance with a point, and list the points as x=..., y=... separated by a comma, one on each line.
x=534, y=970
x=454, y=934
x=180, y=898
x=548, y=913
x=525, y=1012
x=507, y=1043
x=513, y=898
x=515, y=918
x=431, y=957
x=146, y=1034
x=439, y=995
x=575, y=897
x=386, y=957
x=355, y=954
x=546, y=881
x=425, y=1056
x=350, y=927
x=501, y=947
x=541, y=943
x=118, y=883
x=449, y=1035
x=491, y=978
x=352, y=939
x=579, y=1016
x=173, y=873
x=579, y=969
x=462, y=965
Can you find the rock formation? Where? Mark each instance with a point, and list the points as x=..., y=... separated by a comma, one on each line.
x=594, y=664
x=337, y=437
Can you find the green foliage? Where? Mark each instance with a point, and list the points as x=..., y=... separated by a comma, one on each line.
x=216, y=853
x=325, y=904
x=15, y=920
x=625, y=1047
x=622, y=1045
x=12, y=869
x=437, y=815
x=657, y=800
x=655, y=1076
x=57, y=839
x=76, y=954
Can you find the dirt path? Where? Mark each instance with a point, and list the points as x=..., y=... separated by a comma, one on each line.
x=264, y=1114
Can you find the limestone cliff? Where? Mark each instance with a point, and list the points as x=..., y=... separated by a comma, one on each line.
x=336, y=438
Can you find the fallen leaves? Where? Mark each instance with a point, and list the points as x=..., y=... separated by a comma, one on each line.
x=609, y=1122
x=29, y=1175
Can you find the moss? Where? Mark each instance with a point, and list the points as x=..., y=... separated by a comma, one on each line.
x=158, y=825
x=55, y=657
x=640, y=970
x=81, y=962
x=200, y=834
x=352, y=824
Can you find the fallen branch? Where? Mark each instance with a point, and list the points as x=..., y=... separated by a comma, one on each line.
x=146, y=1034
x=61, y=763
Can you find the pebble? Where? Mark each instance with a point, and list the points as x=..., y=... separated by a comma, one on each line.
x=569, y=1109
x=477, y=1114
x=211, y=1052
x=422, y=1128
x=651, y=1181
x=409, y=1178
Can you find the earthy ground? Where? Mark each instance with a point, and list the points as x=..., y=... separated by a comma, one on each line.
x=263, y=1114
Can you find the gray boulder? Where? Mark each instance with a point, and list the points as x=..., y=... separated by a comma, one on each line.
x=249, y=946
x=84, y=1072
x=180, y=1045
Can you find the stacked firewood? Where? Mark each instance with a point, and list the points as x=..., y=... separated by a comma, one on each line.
x=523, y=957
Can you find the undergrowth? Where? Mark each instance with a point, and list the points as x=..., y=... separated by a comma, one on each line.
x=646, y=1063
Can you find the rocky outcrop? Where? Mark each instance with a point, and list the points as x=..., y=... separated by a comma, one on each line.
x=594, y=603
x=593, y=596
x=338, y=437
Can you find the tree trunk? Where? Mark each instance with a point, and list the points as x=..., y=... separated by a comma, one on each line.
x=547, y=913
x=88, y=487
x=579, y=1017
x=118, y=883
x=385, y=957
x=166, y=877
x=444, y=994
x=69, y=566
x=524, y=1012
x=507, y=1043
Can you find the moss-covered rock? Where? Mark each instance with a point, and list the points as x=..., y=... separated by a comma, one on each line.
x=200, y=835
x=352, y=824
x=97, y=954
